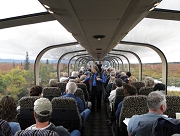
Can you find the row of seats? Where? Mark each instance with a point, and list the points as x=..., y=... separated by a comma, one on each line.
x=120, y=95
x=62, y=86
x=51, y=92
x=133, y=105
x=65, y=113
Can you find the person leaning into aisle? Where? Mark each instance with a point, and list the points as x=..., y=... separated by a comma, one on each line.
x=97, y=80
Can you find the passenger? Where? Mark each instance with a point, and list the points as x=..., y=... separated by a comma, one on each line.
x=156, y=102
x=53, y=83
x=64, y=78
x=123, y=76
x=8, y=112
x=36, y=90
x=99, y=66
x=74, y=75
x=111, y=81
x=159, y=87
x=5, y=129
x=118, y=84
x=71, y=88
x=129, y=90
x=126, y=80
x=96, y=81
x=149, y=82
x=42, y=113
x=132, y=79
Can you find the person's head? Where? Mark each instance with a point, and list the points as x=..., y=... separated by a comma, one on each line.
x=65, y=74
x=95, y=69
x=118, y=82
x=129, y=90
x=149, y=81
x=159, y=86
x=156, y=101
x=83, y=77
x=73, y=74
x=8, y=107
x=123, y=74
x=36, y=90
x=77, y=80
x=132, y=79
x=42, y=110
x=53, y=82
x=71, y=88
x=128, y=74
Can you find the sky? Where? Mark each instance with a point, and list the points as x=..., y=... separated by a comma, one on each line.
x=16, y=41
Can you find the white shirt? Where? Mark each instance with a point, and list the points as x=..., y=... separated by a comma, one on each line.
x=112, y=95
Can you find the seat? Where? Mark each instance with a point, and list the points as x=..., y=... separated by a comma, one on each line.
x=138, y=85
x=79, y=93
x=145, y=90
x=132, y=105
x=26, y=114
x=51, y=92
x=118, y=98
x=173, y=106
x=5, y=129
x=66, y=113
x=36, y=132
x=62, y=86
x=84, y=88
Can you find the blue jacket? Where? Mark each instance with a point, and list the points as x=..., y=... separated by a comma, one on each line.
x=78, y=100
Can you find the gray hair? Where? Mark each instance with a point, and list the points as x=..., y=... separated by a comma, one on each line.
x=155, y=99
x=71, y=87
x=149, y=81
x=53, y=82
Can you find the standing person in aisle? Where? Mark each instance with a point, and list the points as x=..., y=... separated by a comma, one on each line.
x=97, y=80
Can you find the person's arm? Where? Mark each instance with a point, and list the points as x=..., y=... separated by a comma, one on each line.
x=130, y=125
x=86, y=79
x=102, y=79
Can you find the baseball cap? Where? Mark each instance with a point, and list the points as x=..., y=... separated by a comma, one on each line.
x=42, y=104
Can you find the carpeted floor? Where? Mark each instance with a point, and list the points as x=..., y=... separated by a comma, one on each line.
x=98, y=125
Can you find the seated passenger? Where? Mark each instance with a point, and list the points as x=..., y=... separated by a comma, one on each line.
x=71, y=88
x=129, y=90
x=132, y=79
x=128, y=74
x=42, y=112
x=74, y=75
x=159, y=87
x=149, y=82
x=53, y=83
x=64, y=78
x=8, y=112
x=156, y=102
x=36, y=90
x=118, y=84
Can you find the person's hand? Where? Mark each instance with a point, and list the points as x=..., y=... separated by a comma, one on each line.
x=98, y=78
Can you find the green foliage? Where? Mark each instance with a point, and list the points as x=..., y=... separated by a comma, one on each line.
x=176, y=93
x=14, y=82
x=27, y=63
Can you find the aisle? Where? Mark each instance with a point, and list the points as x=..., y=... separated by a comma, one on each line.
x=97, y=125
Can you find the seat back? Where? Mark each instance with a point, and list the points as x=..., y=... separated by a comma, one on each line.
x=62, y=86
x=138, y=85
x=145, y=90
x=132, y=105
x=173, y=106
x=118, y=98
x=5, y=129
x=79, y=93
x=66, y=113
x=51, y=92
x=26, y=115
x=84, y=88
x=36, y=132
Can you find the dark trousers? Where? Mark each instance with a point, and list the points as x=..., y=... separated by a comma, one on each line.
x=95, y=97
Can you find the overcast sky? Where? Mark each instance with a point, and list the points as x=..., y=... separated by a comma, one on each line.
x=14, y=42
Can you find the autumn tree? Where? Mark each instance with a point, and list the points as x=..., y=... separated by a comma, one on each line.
x=27, y=63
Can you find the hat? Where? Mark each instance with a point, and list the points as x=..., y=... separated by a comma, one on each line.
x=42, y=104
